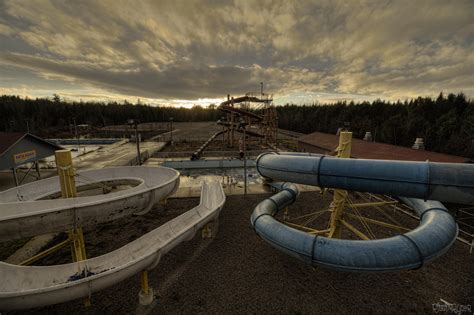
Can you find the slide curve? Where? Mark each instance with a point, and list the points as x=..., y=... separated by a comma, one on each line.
x=417, y=182
x=22, y=211
x=24, y=287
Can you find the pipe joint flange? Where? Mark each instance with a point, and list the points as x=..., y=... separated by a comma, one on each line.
x=431, y=209
x=318, y=174
x=422, y=258
x=258, y=159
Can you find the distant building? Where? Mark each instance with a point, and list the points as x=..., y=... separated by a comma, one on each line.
x=19, y=148
x=318, y=142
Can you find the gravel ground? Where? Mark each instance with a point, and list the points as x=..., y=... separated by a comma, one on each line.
x=237, y=272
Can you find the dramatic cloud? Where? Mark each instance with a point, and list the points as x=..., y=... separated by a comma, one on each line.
x=189, y=50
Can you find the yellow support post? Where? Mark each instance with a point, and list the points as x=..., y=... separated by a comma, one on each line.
x=66, y=173
x=286, y=214
x=68, y=190
x=339, y=199
x=206, y=231
x=146, y=296
x=144, y=281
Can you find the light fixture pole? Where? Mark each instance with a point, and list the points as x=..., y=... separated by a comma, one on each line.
x=77, y=135
x=171, y=134
x=242, y=125
x=134, y=123
x=223, y=128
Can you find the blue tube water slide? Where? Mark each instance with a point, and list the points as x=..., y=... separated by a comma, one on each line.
x=418, y=184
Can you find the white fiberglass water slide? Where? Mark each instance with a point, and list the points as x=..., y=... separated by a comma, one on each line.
x=24, y=287
x=22, y=214
x=414, y=182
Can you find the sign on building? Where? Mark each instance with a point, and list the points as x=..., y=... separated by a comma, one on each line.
x=23, y=157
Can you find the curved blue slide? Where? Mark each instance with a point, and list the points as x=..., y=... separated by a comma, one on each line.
x=418, y=184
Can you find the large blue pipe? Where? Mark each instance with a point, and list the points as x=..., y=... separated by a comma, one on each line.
x=436, y=233
x=446, y=182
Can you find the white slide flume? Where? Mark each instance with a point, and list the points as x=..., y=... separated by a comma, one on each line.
x=22, y=212
x=23, y=287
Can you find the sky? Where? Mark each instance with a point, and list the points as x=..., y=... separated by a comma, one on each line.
x=184, y=52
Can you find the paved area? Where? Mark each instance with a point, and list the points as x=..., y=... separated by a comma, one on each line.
x=120, y=154
x=116, y=156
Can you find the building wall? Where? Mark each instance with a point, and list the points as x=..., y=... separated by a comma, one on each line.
x=27, y=144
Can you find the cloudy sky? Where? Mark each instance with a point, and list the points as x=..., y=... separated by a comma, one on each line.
x=186, y=52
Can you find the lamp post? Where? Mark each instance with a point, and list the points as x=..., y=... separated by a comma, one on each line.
x=134, y=123
x=27, y=125
x=77, y=135
x=221, y=122
x=276, y=131
x=242, y=125
x=223, y=129
x=171, y=134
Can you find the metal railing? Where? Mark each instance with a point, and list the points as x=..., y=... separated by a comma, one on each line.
x=216, y=154
x=466, y=229
x=465, y=220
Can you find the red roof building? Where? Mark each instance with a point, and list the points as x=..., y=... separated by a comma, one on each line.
x=318, y=142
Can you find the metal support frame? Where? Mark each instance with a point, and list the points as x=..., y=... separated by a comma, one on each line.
x=46, y=252
x=15, y=176
x=68, y=190
x=377, y=222
x=206, y=231
x=27, y=173
x=146, y=295
x=353, y=229
x=340, y=196
x=342, y=202
x=16, y=170
x=266, y=124
x=144, y=282
x=245, y=159
x=286, y=214
x=232, y=124
x=38, y=169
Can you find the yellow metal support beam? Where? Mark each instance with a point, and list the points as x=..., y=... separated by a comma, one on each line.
x=146, y=296
x=68, y=190
x=45, y=253
x=382, y=211
x=144, y=282
x=286, y=214
x=310, y=214
x=308, y=229
x=353, y=229
x=321, y=232
x=206, y=231
x=377, y=222
x=373, y=204
x=66, y=173
x=339, y=199
x=77, y=245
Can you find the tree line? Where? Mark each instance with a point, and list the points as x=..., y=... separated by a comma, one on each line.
x=46, y=116
x=446, y=123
